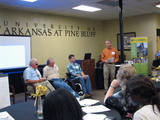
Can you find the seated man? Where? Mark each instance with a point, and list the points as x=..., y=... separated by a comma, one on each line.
x=156, y=63
x=77, y=74
x=32, y=75
x=50, y=72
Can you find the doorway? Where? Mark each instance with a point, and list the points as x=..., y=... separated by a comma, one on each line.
x=158, y=40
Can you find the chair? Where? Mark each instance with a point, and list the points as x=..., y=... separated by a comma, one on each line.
x=12, y=93
x=26, y=92
x=75, y=84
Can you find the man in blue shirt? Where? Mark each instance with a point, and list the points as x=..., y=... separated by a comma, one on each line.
x=77, y=74
x=32, y=75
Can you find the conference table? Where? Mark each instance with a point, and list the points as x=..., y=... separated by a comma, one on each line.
x=26, y=111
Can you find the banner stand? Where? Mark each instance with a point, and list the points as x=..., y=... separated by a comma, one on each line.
x=139, y=54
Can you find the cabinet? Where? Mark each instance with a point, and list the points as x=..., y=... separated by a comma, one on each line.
x=99, y=78
x=88, y=67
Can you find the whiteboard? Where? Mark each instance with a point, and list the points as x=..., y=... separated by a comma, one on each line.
x=15, y=51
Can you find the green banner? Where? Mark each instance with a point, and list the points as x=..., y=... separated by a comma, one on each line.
x=139, y=54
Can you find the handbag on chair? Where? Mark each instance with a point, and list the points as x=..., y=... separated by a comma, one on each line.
x=118, y=102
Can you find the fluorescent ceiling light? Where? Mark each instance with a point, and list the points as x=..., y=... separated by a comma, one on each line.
x=158, y=5
x=30, y=0
x=86, y=8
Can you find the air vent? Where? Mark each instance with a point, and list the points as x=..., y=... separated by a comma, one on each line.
x=109, y=3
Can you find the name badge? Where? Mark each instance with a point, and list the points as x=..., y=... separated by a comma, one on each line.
x=113, y=53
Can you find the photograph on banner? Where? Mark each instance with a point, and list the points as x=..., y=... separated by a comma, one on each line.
x=142, y=49
x=139, y=54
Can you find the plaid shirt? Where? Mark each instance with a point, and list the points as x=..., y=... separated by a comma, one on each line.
x=74, y=69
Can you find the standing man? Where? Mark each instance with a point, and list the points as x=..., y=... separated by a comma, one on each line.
x=50, y=72
x=77, y=74
x=32, y=75
x=109, y=57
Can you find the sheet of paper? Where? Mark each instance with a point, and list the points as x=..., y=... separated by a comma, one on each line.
x=5, y=116
x=88, y=102
x=95, y=109
x=94, y=117
x=110, y=60
x=118, y=65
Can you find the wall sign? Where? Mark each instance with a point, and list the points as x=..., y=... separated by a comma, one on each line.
x=37, y=29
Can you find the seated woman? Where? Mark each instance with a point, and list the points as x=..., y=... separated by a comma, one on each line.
x=117, y=100
x=61, y=105
x=143, y=92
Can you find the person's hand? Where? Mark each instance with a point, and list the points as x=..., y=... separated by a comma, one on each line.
x=43, y=79
x=106, y=61
x=78, y=75
x=129, y=115
x=84, y=76
x=114, y=83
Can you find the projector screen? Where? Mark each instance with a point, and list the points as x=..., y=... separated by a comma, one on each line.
x=15, y=52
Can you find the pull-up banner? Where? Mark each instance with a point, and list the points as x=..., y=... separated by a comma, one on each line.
x=139, y=54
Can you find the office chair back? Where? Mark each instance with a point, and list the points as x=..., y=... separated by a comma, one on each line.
x=26, y=92
x=12, y=93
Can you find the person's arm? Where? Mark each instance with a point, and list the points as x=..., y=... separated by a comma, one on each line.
x=111, y=89
x=83, y=75
x=116, y=59
x=103, y=57
x=28, y=78
x=81, y=72
x=78, y=75
x=45, y=72
x=71, y=70
x=35, y=81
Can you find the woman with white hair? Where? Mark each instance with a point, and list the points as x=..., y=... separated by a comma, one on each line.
x=117, y=99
